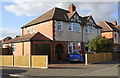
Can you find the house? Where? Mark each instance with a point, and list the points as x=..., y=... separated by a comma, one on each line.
x=55, y=33
x=112, y=32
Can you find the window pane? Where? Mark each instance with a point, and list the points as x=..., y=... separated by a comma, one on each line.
x=59, y=22
x=70, y=28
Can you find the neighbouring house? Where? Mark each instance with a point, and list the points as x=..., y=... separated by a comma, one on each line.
x=55, y=33
x=112, y=32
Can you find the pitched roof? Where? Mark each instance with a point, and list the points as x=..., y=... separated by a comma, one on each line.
x=86, y=19
x=28, y=37
x=54, y=13
x=58, y=14
x=112, y=26
x=118, y=27
x=107, y=26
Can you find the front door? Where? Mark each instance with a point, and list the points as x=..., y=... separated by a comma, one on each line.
x=59, y=51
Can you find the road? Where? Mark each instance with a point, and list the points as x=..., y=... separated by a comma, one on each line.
x=106, y=69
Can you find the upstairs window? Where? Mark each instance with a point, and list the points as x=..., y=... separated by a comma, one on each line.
x=87, y=29
x=90, y=29
x=70, y=27
x=78, y=27
x=74, y=27
x=28, y=30
x=59, y=26
x=32, y=29
x=98, y=32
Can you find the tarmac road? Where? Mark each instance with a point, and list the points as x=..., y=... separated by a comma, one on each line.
x=98, y=70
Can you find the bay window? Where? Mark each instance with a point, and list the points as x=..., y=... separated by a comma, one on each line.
x=73, y=46
x=88, y=29
x=74, y=27
x=70, y=27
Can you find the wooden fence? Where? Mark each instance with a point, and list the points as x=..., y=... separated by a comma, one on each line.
x=99, y=57
x=6, y=60
x=39, y=61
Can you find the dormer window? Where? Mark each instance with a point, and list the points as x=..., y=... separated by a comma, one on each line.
x=59, y=26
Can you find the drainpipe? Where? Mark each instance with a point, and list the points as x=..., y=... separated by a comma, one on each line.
x=82, y=38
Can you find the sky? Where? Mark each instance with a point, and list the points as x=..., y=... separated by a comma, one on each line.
x=15, y=14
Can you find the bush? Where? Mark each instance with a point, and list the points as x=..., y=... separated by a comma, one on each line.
x=99, y=44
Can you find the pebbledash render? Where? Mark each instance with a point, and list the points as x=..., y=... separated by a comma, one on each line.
x=55, y=33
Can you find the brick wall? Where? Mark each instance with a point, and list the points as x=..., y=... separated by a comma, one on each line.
x=65, y=50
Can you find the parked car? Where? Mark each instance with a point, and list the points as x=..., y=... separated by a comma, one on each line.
x=76, y=55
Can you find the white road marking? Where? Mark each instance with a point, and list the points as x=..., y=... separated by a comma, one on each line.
x=16, y=75
x=98, y=70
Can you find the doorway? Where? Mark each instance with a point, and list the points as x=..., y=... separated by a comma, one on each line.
x=59, y=51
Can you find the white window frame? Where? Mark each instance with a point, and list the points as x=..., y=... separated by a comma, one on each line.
x=78, y=28
x=71, y=44
x=87, y=27
x=90, y=29
x=70, y=25
x=6, y=46
x=74, y=27
x=98, y=32
x=13, y=47
x=59, y=23
x=32, y=29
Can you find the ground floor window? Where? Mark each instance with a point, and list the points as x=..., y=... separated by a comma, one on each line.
x=73, y=46
x=13, y=47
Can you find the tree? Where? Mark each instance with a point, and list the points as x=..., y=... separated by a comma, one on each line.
x=99, y=44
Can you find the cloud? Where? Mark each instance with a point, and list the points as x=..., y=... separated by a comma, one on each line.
x=7, y=32
x=99, y=10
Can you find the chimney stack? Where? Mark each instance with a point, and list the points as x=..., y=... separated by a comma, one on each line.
x=114, y=23
x=72, y=8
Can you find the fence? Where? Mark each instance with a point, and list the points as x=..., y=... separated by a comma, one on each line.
x=99, y=57
x=39, y=61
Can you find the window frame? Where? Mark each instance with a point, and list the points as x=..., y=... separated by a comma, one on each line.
x=72, y=45
x=76, y=27
x=13, y=47
x=70, y=25
x=61, y=26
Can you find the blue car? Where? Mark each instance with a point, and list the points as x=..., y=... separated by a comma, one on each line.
x=75, y=56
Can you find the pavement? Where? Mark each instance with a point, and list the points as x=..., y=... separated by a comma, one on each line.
x=76, y=70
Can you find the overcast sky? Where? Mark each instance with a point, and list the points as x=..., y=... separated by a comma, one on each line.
x=16, y=14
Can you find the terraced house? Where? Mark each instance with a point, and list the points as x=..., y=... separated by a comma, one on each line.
x=112, y=32
x=55, y=33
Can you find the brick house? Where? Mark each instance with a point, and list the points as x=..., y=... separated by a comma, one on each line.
x=112, y=32
x=55, y=33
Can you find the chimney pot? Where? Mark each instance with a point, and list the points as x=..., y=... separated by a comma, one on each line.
x=114, y=23
x=72, y=8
